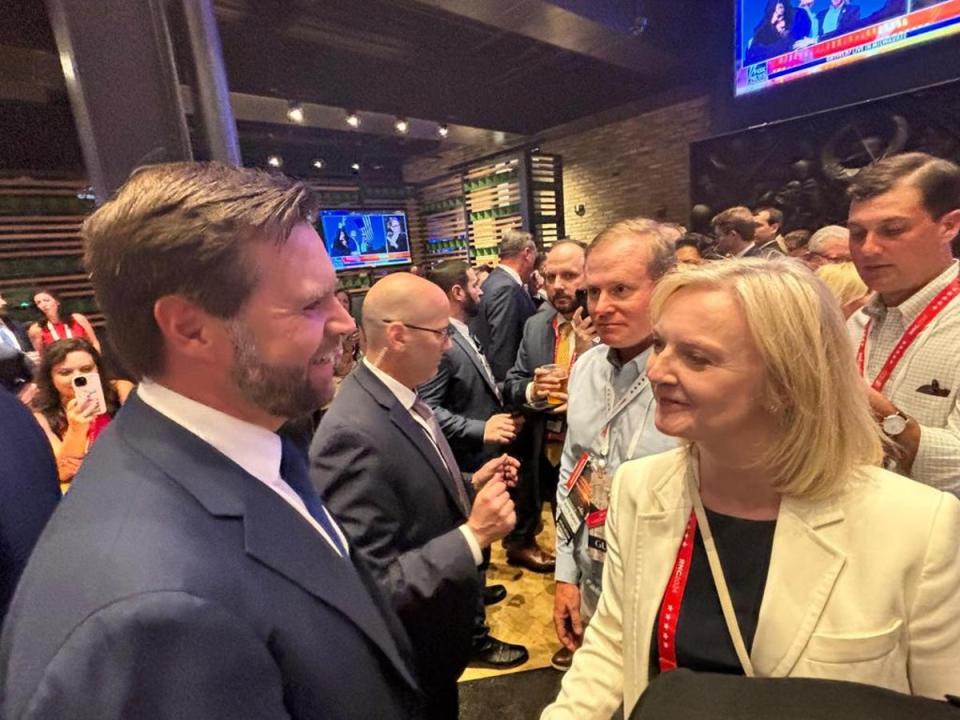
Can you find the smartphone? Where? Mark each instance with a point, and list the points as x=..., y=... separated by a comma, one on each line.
x=582, y=302
x=88, y=385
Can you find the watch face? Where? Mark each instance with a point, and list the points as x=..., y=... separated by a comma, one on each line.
x=893, y=425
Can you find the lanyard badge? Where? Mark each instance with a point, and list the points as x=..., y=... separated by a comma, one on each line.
x=588, y=493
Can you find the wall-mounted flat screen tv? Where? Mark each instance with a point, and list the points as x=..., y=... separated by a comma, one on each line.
x=781, y=40
x=365, y=238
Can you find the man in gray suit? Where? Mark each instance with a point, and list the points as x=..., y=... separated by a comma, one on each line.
x=381, y=461
x=464, y=394
x=193, y=572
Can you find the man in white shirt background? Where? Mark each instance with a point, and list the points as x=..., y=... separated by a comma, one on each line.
x=904, y=213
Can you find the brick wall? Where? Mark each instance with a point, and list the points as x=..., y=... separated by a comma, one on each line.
x=637, y=166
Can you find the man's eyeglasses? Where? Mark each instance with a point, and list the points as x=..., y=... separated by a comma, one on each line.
x=439, y=333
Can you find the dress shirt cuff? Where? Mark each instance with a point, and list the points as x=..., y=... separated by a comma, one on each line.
x=528, y=393
x=566, y=568
x=472, y=543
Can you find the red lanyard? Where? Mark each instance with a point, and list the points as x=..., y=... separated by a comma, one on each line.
x=926, y=316
x=673, y=598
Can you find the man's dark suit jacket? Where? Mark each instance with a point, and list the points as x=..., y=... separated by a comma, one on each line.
x=29, y=490
x=463, y=398
x=536, y=349
x=384, y=481
x=767, y=251
x=504, y=308
x=21, y=332
x=172, y=584
x=849, y=20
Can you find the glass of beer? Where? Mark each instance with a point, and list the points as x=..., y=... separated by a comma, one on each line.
x=560, y=374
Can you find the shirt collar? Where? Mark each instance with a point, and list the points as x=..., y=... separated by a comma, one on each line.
x=640, y=360
x=405, y=395
x=910, y=308
x=461, y=327
x=747, y=249
x=254, y=448
x=511, y=272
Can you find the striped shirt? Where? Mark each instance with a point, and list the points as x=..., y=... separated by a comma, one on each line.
x=926, y=383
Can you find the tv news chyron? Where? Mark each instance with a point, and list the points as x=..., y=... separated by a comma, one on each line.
x=365, y=238
x=771, y=48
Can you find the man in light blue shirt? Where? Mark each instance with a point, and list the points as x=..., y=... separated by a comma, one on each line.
x=839, y=18
x=611, y=410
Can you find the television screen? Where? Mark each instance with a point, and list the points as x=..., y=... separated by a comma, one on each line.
x=365, y=238
x=781, y=40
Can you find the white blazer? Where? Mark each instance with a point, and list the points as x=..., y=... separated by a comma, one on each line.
x=864, y=587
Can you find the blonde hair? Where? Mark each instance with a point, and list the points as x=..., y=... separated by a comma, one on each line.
x=826, y=429
x=843, y=280
x=655, y=236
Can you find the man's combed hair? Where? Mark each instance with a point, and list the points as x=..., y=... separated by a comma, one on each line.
x=775, y=216
x=660, y=243
x=824, y=426
x=739, y=219
x=182, y=229
x=938, y=180
x=515, y=242
x=449, y=273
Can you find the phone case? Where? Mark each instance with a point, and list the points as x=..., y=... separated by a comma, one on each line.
x=88, y=385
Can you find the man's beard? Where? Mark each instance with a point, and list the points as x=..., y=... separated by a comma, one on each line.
x=278, y=390
x=564, y=303
x=471, y=307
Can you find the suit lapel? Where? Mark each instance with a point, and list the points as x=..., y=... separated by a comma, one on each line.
x=400, y=417
x=804, y=567
x=472, y=353
x=274, y=533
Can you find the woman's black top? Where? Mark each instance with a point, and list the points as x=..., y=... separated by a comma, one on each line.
x=703, y=642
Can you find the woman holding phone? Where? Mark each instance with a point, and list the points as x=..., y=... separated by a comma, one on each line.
x=73, y=423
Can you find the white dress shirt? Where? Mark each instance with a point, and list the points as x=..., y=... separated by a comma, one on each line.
x=253, y=448
x=8, y=336
x=747, y=249
x=407, y=397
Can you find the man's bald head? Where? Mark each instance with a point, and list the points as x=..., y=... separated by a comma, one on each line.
x=405, y=297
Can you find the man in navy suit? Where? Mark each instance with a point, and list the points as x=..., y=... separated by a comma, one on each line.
x=382, y=463
x=548, y=338
x=193, y=572
x=29, y=491
x=506, y=304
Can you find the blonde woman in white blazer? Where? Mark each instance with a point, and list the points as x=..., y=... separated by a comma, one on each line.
x=856, y=573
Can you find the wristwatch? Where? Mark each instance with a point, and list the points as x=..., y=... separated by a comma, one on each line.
x=893, y=425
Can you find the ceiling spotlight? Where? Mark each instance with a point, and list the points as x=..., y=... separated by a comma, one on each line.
x=443, y=131
x=355, y=167
x=274, y=161
x=353, y=120
x=295, y=113
x=318, y=164
x=401, y=126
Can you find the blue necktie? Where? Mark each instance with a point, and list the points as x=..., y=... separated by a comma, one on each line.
x=293, y=470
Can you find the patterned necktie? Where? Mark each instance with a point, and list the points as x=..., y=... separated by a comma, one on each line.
x=440, y=442
x=486, y=364
x=293, y=470
x=562, y=357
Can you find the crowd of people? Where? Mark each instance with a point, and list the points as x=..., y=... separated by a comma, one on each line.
x=749, y=442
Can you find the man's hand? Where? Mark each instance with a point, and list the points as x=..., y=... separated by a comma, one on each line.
x=584, y=331
x=545, y=384
x=908, y=442
x=566, y=615
x=562, y=407
x=502, y=428
x=504, y=468
x=493, y=514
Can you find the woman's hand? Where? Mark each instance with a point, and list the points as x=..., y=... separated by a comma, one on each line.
x=81, y=414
